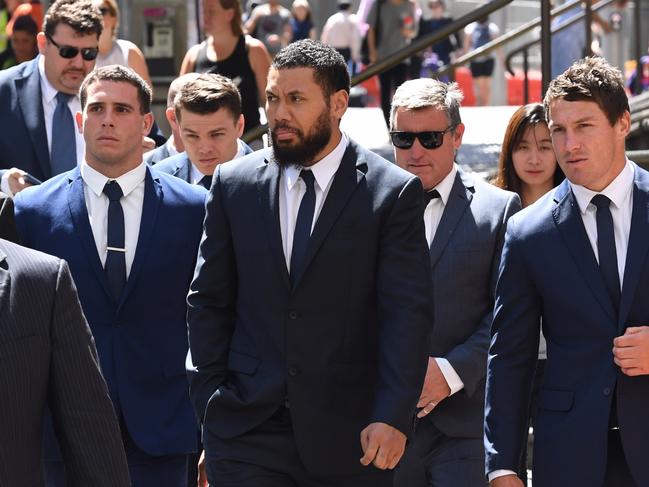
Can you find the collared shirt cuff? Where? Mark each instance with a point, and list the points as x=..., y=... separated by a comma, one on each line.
x=500, y=473
x=4, y=184
x=452, y=379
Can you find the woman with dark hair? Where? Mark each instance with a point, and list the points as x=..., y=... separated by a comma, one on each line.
x=228, y=51
x=528, y=166
x=22, y=44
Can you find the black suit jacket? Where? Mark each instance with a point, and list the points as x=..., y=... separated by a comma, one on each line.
x=7, y=224
x=47, y=355
x=347, y=345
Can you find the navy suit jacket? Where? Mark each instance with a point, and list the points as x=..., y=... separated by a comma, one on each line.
x=549, y=271
x=347, y=344
x=179, y=165
x=142, y=341
x=23, y=139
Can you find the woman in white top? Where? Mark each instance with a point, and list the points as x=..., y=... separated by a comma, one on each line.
x=118, y=51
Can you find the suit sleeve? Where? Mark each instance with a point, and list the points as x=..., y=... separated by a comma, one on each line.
x=512, y=358
x=82, y=413
x=211, y=303
x=404, y=310
x=469, y=358
x=7, y=222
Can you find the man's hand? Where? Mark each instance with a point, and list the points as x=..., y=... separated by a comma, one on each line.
x=16, y=179
x=506, y=481
x=202, y=475
x=382, y=445
x=435, y=389
x=631, y=351
x=147, y=144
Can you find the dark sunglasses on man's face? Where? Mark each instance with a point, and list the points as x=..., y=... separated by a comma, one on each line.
x=105, y=11
x=431, y=139
x=69, y=52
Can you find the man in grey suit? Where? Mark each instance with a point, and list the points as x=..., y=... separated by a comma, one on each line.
x=49, y=356
x=465, y=220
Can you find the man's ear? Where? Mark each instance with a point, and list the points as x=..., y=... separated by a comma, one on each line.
x=339, y=102
x=241, y=122
x=147, y=123
x=41, y=41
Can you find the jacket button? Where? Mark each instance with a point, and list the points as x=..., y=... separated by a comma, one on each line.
x=607, y=391
x=292, y=371
x=292, y=315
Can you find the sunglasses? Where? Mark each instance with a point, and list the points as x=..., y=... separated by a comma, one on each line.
x=105, y=11
x=430, y=139
x=69, y=52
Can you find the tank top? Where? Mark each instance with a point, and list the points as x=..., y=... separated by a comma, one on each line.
x=118, y=54
x=237, y=68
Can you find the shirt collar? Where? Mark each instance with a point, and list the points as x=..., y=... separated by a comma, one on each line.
x=446, y=185
x=241, y=149
x=128, y=181
x=323, y=170
x=618, y=191
x=48, y=92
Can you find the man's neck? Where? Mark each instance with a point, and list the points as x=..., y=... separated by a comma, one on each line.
x=111, y=170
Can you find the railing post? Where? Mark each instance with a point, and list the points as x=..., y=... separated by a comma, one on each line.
x=637, y=48
x=546, y=46
x=588, y=22
x=526, y=80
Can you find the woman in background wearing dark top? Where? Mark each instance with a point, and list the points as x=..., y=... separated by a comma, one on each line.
x=228, y=51
x=528, y=166
x=301, y=24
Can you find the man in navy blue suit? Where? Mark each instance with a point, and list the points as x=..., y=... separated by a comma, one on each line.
x=208, y=114
x=39, y=97
x=577, y=264
x=309, y=315
x=130, y=237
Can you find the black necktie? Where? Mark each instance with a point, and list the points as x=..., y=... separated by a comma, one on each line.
x=206, y=182
x=429, y=196
x=303, y=225
x=606, y=248
x=115, y=252
x=64, y=143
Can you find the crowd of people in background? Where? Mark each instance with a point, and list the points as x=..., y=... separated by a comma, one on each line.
x=308, y=313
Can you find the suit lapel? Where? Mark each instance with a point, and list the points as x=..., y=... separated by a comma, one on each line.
x=150, y=206
x=638, y=244
x=183, y=170
x=5, y=280
x=459, y=200
x=79, y=214
x=350, y=173
x=268, y=176
x=571, y=227
x=29, y=98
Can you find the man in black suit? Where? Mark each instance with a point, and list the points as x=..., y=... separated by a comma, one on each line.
x=49, y=356
x=7, y=224
x=309, y=313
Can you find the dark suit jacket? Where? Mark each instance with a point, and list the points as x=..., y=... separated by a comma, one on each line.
x=179, y=165
x=464, y=256
x=142, y=341
x=7, y=223
x=549, y=270
x=48, y=356
x=23, y=139
x=347, y=345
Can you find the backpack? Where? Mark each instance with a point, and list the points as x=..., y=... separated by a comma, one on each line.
x=481, y=35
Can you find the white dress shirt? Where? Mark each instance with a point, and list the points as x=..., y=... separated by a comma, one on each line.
x=48, y=98
x=196, y=175
x=292, y=189
x=132, y=184
x=620, y=192
x=432, y=216
x=342, y=31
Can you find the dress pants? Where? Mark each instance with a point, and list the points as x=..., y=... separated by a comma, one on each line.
x=267, y=456
x=433, y=459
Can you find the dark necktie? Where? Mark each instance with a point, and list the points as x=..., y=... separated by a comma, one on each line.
x=303, y=225
x=606, y=248
x=115, y=252
x=206, y=182
x=429, y=196
x=64, y=143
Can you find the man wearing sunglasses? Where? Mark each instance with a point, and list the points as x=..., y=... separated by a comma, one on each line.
x=38, y=139
x=465, y=220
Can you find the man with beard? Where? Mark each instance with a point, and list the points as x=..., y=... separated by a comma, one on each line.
x=39, y=98
x=308, y=315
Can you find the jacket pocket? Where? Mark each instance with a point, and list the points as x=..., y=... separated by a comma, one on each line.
x=554, y=400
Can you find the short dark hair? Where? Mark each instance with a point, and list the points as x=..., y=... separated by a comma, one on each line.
x=118, y=74
x=81, y=15
x=591, y=79
x=25, y=23
x=207, y=94
x=329, y=67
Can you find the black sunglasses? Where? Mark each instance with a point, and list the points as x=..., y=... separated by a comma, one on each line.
x=430, y=139
x=68, y=52
x=105, y=11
